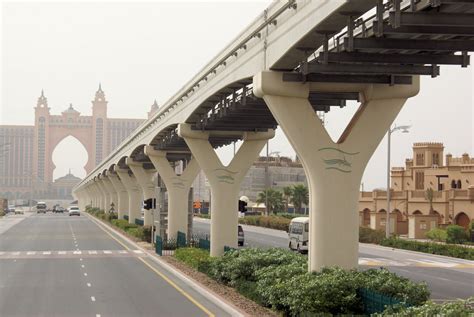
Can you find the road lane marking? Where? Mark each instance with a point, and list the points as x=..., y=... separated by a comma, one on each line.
x=85, y=274
x=97, y=315
x=47, y=253
x=92, y=252
x=29, y=253
x=62, y=252
x=107, y=252
x=83, y=266
x=89, y=285
x=93, y=298
x=173, y=284
x=138, y=251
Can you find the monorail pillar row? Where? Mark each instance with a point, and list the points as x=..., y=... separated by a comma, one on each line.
x=100, y=194
x=90, y=195
x=111, y=189
x=334, y=169
x=145, y=180
x=105, y=192
x=224, y=180
x=122, y=195
x=178, y=187
x=93, y=194
x=134, y=193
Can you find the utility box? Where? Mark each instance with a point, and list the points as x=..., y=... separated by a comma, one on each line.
x=419, y=225
x=379, y=219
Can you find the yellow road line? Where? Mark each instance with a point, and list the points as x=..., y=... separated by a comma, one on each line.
x=179, y=289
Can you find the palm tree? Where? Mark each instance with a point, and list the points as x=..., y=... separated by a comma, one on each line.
x=429, y=194
x=287, y=192
x=274, y=199
x=299, y=196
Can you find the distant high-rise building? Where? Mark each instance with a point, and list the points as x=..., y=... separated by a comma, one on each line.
x=26, y=151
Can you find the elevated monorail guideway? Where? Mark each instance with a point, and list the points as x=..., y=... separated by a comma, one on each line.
x=296, y=59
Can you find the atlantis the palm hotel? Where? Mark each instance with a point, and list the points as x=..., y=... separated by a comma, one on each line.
x=415, y=209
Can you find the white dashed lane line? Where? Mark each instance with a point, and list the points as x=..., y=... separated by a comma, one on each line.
x=93, y=298
x=85, y=274
x=89, y=284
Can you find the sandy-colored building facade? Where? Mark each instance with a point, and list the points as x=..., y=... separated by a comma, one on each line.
x=26, y=163
x=430, y=183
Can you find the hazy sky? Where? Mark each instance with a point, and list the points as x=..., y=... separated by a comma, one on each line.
x=145, y=51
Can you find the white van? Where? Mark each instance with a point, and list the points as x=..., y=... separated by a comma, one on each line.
x=298, y=233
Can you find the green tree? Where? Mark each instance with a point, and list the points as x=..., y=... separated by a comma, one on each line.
x=299, y=196
x=287, y=193
x=274, y=198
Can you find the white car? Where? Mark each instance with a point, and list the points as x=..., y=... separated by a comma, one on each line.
x=74, y=211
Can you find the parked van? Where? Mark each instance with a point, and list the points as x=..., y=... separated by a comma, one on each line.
x=298, y=234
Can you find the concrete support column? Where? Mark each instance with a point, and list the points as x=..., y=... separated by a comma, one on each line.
x=105, y=192
x=111, y=190
x=145, y=180
x=91, y=197
x=224, y=180
x=178, y=189
x=134, y=194
x=122, y=195
x=334, y=169
x=100, y=194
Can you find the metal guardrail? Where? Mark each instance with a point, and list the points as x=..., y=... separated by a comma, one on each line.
x=374, y=302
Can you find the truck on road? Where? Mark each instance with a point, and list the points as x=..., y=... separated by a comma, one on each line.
x=41, y=207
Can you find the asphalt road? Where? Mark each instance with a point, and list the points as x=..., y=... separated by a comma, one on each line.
x=447, y=278
x=56, y=265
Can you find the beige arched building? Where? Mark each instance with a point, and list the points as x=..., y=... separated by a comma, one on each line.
x=26, y=151
x=451, y=181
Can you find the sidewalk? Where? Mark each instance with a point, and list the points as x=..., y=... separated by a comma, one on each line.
x=9, y=221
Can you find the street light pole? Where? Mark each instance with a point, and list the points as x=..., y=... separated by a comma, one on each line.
x=404, y=129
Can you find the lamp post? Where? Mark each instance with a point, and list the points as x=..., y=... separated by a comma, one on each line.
x=404, y=129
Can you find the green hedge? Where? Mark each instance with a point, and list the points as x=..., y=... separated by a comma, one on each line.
x=456, y=251
x=279, y=279
x=273, y=222
x=437, y=234
x=367, y=235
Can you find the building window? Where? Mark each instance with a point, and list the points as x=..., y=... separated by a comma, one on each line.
x=99, y=131
x=420, y=180
x=420, y=159
x=435, y=159
x=459, y=185
x=453, y=184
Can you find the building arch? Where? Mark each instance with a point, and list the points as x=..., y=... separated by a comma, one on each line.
x=417, y=212
x=462, y=220
x=399, y=214
x=59, y=150
x=453, y=184
x=440, y=217
x=366, y=217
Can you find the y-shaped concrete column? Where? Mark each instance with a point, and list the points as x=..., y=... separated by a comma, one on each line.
x=224, y=180
x=122, y=195
x=111, y=190
x=145, y=180
x=100, y=194
x=334, y=169
x=91, y=195
x=134, y=194
x=105, y=193
x=178, y=189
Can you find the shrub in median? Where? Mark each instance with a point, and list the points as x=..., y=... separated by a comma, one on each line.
x=278, y=278
x=137, y=232
x=456, y=234
x=367, y=235
x=273, y=222
x=192, y=256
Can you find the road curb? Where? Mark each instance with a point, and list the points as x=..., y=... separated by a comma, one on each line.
x=208, y=294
